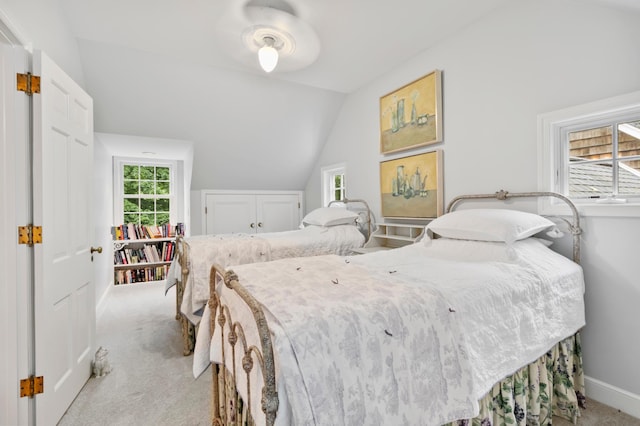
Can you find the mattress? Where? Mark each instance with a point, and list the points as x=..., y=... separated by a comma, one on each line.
x=355, y=337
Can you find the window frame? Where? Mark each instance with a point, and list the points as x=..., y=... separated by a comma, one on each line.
x=118, y=185
x=553, y=128
x=328, y=174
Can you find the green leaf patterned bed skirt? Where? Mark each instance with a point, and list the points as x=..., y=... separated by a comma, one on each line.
x=551, y=385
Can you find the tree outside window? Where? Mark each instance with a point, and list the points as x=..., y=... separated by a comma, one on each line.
x=338, y=187
x=334, y=186
x=146, y=193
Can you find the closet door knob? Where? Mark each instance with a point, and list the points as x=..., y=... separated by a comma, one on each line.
x=253, y=225
x=259, y=224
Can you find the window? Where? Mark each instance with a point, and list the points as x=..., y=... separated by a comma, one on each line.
x=604, y=162
x=144, y=192
x=333, y=183
x=591, y=154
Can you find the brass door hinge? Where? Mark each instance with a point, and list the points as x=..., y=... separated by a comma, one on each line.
x=28, y=83
x=30, y=235
x=31, y=386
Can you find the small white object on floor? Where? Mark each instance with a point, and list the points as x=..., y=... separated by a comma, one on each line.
x=101, y=366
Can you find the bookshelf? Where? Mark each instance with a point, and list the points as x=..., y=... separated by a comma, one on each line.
x=142, y=254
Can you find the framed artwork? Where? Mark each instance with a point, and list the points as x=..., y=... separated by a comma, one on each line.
x=411, y=187
x=412, y=115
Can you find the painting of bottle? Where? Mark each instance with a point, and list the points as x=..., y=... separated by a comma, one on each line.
x=400, y=113
x=411, y=187
x=400, y=179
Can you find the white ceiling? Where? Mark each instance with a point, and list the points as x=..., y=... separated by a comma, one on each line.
x=360, y=39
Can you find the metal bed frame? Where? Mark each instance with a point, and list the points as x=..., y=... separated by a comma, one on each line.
x=189, y=331
x=226, y=403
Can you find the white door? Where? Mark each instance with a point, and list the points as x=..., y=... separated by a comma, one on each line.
x=226, y=213
x=15, y=204
x=64, y=291
x=278, y=212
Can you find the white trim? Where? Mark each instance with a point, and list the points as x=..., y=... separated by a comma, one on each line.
x=550, y=126
x=325, y=173
x=612, y=396
x=16, y=327
x=102, y=302
x=13, y=33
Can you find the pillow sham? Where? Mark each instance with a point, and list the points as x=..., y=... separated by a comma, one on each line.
x=470, y=251
x=330, y=216
x=489, y=225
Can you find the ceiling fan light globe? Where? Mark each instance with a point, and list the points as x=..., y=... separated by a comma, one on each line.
x=268, y=58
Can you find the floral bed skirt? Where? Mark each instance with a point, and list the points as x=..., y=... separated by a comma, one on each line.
x=551, y=385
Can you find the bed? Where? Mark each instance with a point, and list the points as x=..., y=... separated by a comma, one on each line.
x=338, y=228
x=478, y=326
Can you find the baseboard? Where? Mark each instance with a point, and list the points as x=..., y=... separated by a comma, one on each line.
x=102, y=302
x=612, y=396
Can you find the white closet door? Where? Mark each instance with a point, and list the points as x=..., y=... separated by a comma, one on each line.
x=226, y=213
x=64, y=291
x=278, y=212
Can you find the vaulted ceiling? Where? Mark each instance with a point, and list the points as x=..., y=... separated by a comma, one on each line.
x=167, y=69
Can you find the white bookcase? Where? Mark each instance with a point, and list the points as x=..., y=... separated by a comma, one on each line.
x=142, y=260
x=392, y=235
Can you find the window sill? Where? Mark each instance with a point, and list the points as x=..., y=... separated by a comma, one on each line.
x=591, y=209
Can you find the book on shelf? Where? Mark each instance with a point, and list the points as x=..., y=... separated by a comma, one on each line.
x=130, y=231
x=138, y=275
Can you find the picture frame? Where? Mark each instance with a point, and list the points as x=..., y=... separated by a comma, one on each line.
x=411, y=187
x=411, y=116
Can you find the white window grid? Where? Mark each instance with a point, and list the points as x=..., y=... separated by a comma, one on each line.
x=329, y=187
x=553, y=154
x=120, y=163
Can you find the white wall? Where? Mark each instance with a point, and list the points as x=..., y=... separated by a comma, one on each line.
x=241, y=124
x=527, y=58
x=44, y=27
x=102, y=218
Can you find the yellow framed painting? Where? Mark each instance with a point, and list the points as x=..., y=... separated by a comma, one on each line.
x=411, y=116
x=411, y=187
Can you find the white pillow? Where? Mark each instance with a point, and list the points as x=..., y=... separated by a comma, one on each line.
x=330, y=216
x=470, y=251
x=489, y=225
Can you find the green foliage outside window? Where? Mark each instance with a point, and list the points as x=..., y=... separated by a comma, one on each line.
x=338, y=185
x=147, y=191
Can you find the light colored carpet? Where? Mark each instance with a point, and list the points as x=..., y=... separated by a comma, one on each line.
x=598, y=414
x=151, y=382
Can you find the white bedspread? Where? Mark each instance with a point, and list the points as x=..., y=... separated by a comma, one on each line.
x=408, y=336
x=228, y=250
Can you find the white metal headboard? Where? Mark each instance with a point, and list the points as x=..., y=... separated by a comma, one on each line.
x=574, y=224
x=369, y=216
